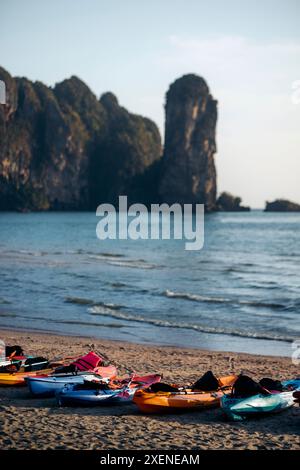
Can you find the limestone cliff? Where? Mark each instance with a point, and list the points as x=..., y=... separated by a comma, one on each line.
x=188, y=167
x=43, y=144
x=64, y=149
x=131, y=146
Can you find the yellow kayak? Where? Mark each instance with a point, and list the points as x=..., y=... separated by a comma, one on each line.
x=166, y=402
x=18, y=378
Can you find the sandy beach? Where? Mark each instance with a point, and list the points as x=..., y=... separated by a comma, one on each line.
x=29, y=423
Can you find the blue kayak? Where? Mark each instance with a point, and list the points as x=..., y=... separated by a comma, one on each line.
x=70, y=395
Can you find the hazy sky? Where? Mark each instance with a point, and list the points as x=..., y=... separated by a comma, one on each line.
x=248, y=51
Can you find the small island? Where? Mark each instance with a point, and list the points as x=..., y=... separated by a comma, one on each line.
x=226, y=202
x=282, y=205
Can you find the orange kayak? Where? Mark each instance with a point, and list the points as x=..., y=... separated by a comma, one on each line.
x=18, y=378
x=167, y=402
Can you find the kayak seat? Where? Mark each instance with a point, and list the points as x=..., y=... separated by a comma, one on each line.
x=207, y=383
x=271, y=385
x=245, y=387
x=91, y=385
x=162, y=387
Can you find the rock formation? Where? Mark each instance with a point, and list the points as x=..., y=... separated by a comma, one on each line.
x=282, y=205
x=226, y=202
x=62, y=149
x=132, y=144
x=188, y=167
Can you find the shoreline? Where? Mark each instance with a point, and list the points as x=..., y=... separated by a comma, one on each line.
x=35, y=423
x=123, y=343
x=141, y=343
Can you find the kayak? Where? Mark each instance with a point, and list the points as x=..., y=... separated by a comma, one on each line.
x=48, y=385
x=70, y=396
x=8, y=363
x=293, y=384
x=15, y=360
x=238, y=409
x=20, y=361
x=89, y=393
x=18, y=378
x=296, y=396
x=166, y=402
x=140, y=381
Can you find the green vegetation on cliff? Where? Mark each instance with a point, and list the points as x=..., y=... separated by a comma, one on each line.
x=63, y=149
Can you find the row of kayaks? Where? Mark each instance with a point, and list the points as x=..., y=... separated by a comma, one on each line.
x=14, y=370
x=153, y=396
x=89, y=381
x=240, y=397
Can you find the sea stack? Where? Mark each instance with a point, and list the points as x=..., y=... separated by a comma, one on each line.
x=226, y=202
x=282, y=205
x=188, y=167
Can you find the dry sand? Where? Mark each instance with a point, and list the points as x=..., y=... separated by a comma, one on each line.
x=29, y=423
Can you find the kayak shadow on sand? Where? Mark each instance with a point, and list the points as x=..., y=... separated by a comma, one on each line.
x=20, y=397
x=286, y=422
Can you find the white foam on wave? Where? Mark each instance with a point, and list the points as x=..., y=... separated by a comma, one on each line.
x=123, y=263
x=121, y=315
x=84, y=301
x=201, y=298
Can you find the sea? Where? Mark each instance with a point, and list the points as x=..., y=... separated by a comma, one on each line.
x=240, y=293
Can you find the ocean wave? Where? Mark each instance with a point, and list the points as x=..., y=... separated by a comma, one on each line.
x=83, y=323
x=78, y=301
x=194, y=297
x=139, y=264
x=132, y=288
x=111, y=255
x=32, y=259
x=119, y=285
x=62, y=321
x=25, y=252
x=293, y=306
x=113, y=259
x=79, y=276
x=120, y=315
x=83, y=301
x=266, y=286
x=127, y=263
x=201, y=298
x=6, y=314
x=78, y=251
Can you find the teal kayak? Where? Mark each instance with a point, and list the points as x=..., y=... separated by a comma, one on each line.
x=238, y=409
x=293, y=384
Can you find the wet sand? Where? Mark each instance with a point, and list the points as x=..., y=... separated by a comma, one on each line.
x=30, y=423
